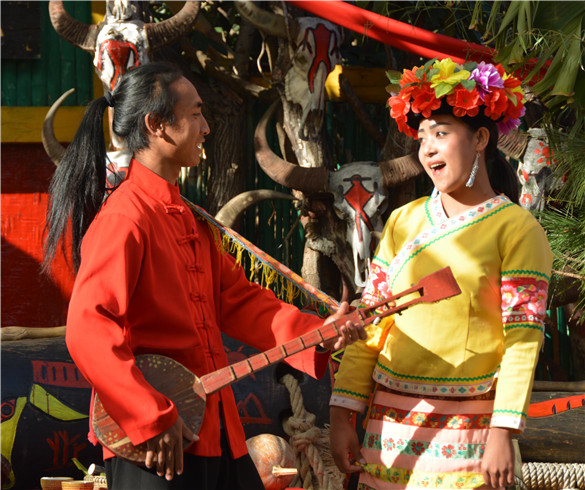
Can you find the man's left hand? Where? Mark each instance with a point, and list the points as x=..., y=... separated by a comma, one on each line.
x=349, y=332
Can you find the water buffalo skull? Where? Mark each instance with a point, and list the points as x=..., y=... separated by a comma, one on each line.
x=536, y=171
x=359, y=192
x=317, y=53
x=360, y=201
x=123, y=39
x=308, y=50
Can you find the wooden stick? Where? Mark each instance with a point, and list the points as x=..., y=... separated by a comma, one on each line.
x=569, y=274
x=22, y=333
x=280, y=471
x=571, y=386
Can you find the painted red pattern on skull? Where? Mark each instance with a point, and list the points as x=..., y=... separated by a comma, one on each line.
x=536, y=171
x=115, y=58
x=361, y=201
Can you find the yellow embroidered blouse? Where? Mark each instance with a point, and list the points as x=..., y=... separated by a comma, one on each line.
x=502, y=261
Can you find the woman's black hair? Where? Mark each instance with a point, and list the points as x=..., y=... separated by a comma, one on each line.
x=78, y=187
x=501, y=174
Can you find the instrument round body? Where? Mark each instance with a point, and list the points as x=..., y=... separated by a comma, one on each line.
x=171, y=379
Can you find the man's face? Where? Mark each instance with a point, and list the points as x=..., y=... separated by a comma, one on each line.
x=186, y=135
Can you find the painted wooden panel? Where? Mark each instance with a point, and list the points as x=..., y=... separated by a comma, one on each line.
x=45, y=407
x=60, y=66
x=24, y=124
x=29, y=298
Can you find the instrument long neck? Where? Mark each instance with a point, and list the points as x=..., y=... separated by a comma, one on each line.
x=434, y=287
x=223, y=377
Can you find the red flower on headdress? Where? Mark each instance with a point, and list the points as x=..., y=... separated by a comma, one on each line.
x=425, y=101
x=398, y=106
x=399, y=109
x=464, y=102
x=403, y=127
x=511, y=83
x=409, y=76
x=515, y=111
x=495, y=103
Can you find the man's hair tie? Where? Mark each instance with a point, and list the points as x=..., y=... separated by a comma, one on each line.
x=109, y=99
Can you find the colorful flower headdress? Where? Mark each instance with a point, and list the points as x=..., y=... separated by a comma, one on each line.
x=465, y=88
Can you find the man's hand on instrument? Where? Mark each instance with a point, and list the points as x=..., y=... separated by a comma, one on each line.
x=165, y=451
x=349, y=332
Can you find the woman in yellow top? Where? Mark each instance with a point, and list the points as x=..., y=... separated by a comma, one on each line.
x=451, y=381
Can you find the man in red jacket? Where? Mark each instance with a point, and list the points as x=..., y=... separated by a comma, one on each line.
x=151, y=279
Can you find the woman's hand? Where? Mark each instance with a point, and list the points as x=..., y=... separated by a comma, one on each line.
x=497, y=465
x=344, y=443
x=165, y=451
x=349, y=332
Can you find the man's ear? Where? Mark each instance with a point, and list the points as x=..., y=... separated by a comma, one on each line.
x=154, y=124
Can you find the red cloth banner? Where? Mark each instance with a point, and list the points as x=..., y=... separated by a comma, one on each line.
x=397, y=34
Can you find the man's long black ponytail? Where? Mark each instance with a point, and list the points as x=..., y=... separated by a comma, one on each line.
x=78, y=186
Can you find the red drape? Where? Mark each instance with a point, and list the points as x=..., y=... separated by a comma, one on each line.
x=394, y=33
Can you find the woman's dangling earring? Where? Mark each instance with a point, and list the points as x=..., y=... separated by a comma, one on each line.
x=474, y=169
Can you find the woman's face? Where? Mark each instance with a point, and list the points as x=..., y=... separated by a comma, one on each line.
x=447, y=151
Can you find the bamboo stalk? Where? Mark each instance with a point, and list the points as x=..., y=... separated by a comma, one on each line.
x=278, y=470
x=21, y=333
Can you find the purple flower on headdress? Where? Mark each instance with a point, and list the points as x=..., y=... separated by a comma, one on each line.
x=486, y=77
x=504, y=127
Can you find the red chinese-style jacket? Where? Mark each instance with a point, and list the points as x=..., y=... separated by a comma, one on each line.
x=154, y=280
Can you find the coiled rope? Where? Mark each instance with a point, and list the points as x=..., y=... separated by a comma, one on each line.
x=553, y=476
x=315, y=464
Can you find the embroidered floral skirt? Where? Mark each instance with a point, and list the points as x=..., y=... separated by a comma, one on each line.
x=424, y=443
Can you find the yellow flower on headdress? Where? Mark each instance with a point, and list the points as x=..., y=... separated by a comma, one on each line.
x=447, y=78
x=513, y=84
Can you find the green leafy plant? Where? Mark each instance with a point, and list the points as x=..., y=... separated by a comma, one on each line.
x=80, y=467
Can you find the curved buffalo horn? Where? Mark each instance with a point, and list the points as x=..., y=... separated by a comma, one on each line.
x=54, y=149
x=513, y=144
x=399, y=170
x=265, y=21
x=168, y=31
x=77, y=33
x=307, y=180
x=230, y=211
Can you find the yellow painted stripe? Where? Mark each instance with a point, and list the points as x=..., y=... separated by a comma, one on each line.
x=118, y=444
x=49, y=404
x=25, y=124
